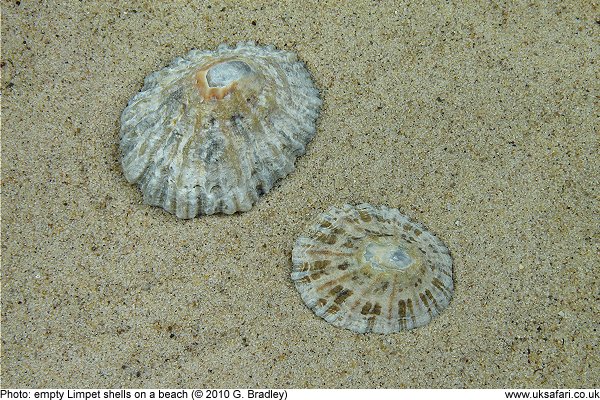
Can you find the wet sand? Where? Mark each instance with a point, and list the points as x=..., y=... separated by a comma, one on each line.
x=478, y=121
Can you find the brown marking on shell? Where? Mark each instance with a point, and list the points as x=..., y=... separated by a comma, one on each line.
x=333, y=281
x=320, y=264
x=365, y=309
x=425, y=302
x=376, y=309
x=212, y=93
x=382, y=287
x=392, y=298
x=332, y=309
x=436, y=282
x=325, y=253
x=371, y=322
x=402, y=310
x=432, y=299
x=315, y=276
x=365, y=216
x=305, y=279
x=343, y=296
x=328, y=239
x=336, y=290
x=411, y=311
x=343, y=266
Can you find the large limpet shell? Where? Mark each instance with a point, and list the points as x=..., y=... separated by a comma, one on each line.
x=371, y=269
x=215, y=129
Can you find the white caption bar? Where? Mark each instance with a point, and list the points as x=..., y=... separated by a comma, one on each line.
x=293, y=394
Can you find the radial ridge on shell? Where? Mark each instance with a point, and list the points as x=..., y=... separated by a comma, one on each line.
x=371, y=269
x=216, y=129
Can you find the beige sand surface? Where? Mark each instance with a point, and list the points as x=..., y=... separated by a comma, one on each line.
x=480, y=121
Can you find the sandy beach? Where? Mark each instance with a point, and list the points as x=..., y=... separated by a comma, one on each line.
x=479, y=121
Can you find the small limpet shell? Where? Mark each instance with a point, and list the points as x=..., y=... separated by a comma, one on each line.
x=371, y=269
x=215, y=129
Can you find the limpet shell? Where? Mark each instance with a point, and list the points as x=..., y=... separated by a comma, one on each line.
x=371, y=269
x=216, y=129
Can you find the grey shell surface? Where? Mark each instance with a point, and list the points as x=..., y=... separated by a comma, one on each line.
x=371, y=269
x=216, y=129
